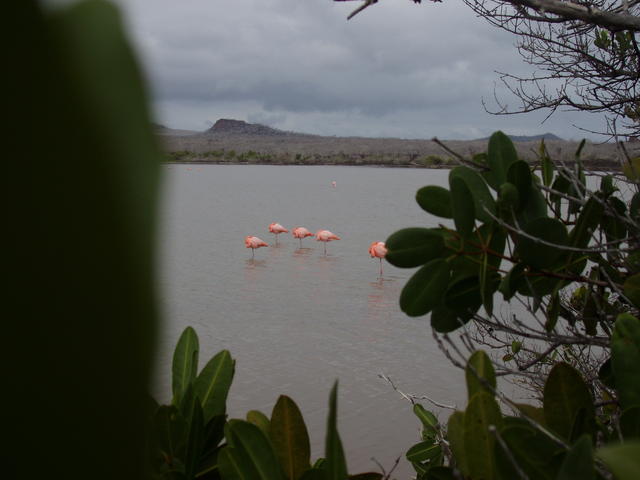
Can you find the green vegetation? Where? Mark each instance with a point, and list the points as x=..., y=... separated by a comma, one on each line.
x=256, y=158
x=569, y=257
x=188, y=434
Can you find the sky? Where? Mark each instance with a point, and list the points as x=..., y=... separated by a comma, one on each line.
x=397, y=69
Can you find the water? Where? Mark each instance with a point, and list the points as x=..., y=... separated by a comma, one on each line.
x=294, y=319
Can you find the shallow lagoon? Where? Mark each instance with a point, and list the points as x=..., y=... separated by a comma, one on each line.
x=294, y=319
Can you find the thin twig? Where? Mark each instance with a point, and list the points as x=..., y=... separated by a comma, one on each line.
x=411, y=398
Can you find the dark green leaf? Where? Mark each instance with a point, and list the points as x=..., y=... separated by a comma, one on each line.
x=195, y=440
x=479, y=374
x=547, y=165
x=500, y=155
x=612, y=223
x=412, y=247
x=213, y=434
x=213, y=383
x=625, y=358
x=605, y=374
x=630, y=423
x=482, y=198
x=537, y=284
x=185, y=363
x=482, y=412
x=232, y=467
x=519, y=174
x=623, y=460
x=580, y=147
x=428, y=419
x=587, y=222
x=607, y=186
x=565, y=394
x=541, y=255
x=423, y=452
x=290, y=438
x=509, y=284
x=444, y=320
x=82, y=292
x=313, y=474
x=578, y=462
x=632, y=262
x=529, y=411
x=170, y=431
x=251, y=454
x=553, y=311
x=463, y=296
x=435, y=200
x=260, y=420
x=532, y=450
x=508, y=200
x=335, y=463
x=462, y=206
x=634, y=207
x=455, y=434
x=425, y=289
x=632, y=289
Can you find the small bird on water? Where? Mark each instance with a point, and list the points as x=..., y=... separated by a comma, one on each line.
x=378, y=250
x=300, y=233
x=326, y=236
x=277, y=229
x=254, y=242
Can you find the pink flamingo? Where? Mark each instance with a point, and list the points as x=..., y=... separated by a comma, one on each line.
x=325, y=236
x=253, y=243
x=277, y=229
x=300, y=233
x=379, y=250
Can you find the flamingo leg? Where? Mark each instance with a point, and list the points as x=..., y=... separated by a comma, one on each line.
x=253, y=253
x=325, y=247
x=300, y=242
x=380, y=267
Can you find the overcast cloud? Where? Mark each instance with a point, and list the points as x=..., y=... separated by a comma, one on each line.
x=395, y=70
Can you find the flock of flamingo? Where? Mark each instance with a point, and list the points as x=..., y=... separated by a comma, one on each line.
x=376, y=249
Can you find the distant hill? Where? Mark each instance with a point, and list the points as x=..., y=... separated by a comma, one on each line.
x=529, y=138
x=236, y=141
x=226, y=126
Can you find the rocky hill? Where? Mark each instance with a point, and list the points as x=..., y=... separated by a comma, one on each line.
x=226, y=126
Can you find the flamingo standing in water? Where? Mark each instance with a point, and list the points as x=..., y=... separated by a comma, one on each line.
x=253, y=243
x=325, y=236
x=379, y=250
x=300, y=233
x=277, y=229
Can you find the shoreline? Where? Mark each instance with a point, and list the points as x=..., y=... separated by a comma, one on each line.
x=601, y=166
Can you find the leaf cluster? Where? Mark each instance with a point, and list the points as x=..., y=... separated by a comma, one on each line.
x=539, y=236
x=193, y=439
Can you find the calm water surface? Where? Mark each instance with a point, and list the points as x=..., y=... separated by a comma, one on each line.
x=294, y=319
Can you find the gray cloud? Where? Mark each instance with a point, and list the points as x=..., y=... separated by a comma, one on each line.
x=397, y=69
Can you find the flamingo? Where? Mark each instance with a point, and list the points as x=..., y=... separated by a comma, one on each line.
x=325, y=236
x=277, y=229
x=254, y=242
x=378, y=249
x=300, y=233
